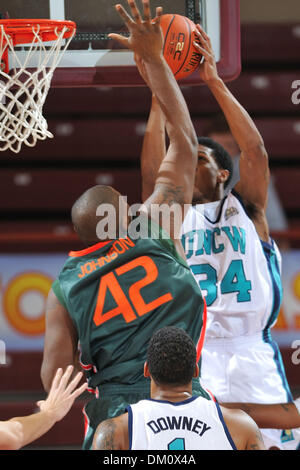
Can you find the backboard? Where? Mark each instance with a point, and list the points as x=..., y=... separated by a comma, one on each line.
x=92, y=59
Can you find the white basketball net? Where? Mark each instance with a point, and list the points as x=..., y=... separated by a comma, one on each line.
x=23, y=91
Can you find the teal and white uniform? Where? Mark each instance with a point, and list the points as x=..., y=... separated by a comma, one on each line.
x=193, y=424
x=240, y=277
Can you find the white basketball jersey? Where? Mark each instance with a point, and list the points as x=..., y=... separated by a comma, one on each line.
x=194, y=424
x=238, y=274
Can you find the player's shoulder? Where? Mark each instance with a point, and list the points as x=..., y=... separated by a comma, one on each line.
x=243, y=429
x=112, y=434
x=238, y=417
x=236, y=414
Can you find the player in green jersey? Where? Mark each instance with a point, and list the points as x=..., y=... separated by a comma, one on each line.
x=113, y=295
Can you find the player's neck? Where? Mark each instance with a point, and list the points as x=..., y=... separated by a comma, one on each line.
x=202, y=198
x=174, y=394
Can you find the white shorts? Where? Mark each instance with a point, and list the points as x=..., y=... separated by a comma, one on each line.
x=248, y=369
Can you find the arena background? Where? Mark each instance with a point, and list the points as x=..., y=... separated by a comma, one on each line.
x=98, y=137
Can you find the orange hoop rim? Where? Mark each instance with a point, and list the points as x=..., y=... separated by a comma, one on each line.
x=21, y=30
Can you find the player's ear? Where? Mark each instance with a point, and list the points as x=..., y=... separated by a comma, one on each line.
x=223, y=176
x=146, y=370
x=196, y=371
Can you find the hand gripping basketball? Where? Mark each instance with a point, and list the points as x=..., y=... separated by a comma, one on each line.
x=146, y=37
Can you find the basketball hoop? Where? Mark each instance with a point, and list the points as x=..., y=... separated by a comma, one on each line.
x=25, y=77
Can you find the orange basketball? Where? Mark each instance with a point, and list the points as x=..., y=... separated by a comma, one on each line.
x=179, y=50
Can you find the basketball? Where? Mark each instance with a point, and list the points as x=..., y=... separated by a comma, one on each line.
x=179, y=50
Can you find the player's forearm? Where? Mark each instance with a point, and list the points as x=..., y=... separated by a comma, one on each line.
x=164, y=86
x=277, y=416
x=11, y=435
x=34, y=426
x=154, y=148
x=241, y=124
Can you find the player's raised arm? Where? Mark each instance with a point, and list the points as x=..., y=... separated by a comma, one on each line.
x=275, y=416
x=60, y=343
x=154, y=142
x=175, y=178
x=254, y=167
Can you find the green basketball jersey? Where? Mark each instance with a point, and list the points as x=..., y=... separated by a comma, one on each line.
x=118, y=293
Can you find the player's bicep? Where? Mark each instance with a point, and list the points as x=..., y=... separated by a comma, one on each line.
x=153, y=150
x=255, y=441
x=112, y=434
x=60, y=343
x=175, y=177
x=254, y=177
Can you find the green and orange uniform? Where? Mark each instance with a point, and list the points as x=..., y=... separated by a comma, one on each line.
x=118, y=293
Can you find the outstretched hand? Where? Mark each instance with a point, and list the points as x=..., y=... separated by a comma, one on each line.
x=62, y=394
x=208, y=68
x=146, y=38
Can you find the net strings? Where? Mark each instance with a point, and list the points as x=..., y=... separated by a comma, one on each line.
x=24, y=89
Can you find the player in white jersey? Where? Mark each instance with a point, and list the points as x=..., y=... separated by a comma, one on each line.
x=229, y=249
x=174, y=419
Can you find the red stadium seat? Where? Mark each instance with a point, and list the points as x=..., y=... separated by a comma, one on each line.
x=280, y=135
x=254, y=88
x=266, y=91
x=287, y=184
x=56, y=190
x=85, y=139
x=270, y=43
x=21, y=373
x=100, y=144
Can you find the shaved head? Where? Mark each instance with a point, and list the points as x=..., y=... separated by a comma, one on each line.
x=84, y=212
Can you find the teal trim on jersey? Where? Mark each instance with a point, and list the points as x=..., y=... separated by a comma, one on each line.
x=267, y=338
x=273, y=267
